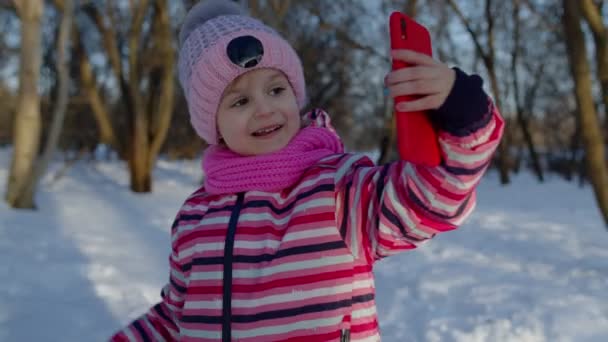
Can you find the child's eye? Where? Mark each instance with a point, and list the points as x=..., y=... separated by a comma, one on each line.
x=277, y=90
x=240, y=102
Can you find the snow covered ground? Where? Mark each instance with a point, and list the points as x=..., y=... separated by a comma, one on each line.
x=531, y=264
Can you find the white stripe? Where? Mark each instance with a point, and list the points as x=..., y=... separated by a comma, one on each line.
x=256, y=245
x=157, y=336
x=208, y=221
x=219, y=246
x=174, y=297
x=198, y=333
x=204, y=304
x=428, y=195
x=474, y=158
x=458, y=220
x=373, y=211
x=363, y=284
x=273, y=299
x=204, y=207
x=284, y=328
x=480, y=139
x=355, y=206
x=129, y=334
x=386, y=230
x=200, y=247
x=373, y=338
x=453, y=155
x=285, y=218
x=403, y=212
x=178, y=275
x=458, y=182
x=315, y=232
x=346, y=167
x=364, y=312
x=268, y=271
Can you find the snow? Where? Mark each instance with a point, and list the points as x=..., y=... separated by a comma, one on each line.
x=531, y=263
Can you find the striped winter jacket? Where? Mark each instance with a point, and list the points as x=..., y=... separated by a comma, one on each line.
x=297, y=265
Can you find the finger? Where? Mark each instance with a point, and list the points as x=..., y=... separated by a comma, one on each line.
x=424, y=103
x=412, y=57
x=420, y=87
x=411, y=74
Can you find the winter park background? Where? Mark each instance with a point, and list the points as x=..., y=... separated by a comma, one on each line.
x=530, y=265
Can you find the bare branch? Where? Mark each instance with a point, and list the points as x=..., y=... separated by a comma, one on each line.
x=345, y=36
x=593, y=17
x=469, y=28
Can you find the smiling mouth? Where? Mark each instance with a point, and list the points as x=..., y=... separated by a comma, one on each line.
x=266, y=130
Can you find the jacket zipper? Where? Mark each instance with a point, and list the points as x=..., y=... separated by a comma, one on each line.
x=228, y=255
x=345, y=335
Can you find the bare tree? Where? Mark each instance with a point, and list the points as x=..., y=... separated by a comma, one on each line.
x=27, y=121
x=61, y=103
x=530, y=94
x=149, y=107
x=592, y=13
x=101, y=113
x=590, y=128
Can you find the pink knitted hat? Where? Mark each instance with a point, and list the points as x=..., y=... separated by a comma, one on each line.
x=218, y=43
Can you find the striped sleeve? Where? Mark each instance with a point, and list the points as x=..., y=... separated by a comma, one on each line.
x=160, y=322
x=383, y=210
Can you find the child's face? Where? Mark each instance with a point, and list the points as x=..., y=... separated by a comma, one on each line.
x=258, y=113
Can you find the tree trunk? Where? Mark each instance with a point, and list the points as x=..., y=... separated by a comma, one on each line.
x=27, y=120
x=590, y=128
x=141, y=178
x=63, y=80
x=592, y=15
x=89, y=85
x=167, y=88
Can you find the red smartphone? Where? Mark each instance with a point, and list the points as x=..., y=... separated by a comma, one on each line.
x=417, y=140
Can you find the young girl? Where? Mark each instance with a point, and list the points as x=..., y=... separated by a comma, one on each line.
x=279, y=243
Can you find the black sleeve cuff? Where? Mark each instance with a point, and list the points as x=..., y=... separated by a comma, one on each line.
x=466, y=107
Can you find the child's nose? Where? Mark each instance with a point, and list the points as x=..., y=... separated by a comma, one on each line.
x=263, y=109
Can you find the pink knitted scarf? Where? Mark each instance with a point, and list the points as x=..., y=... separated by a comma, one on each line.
x=230, y=172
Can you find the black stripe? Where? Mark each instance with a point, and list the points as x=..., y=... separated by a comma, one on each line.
x=255, y=204
x=228, y=254
x=395, y=220
x=161, y=313
x=141, y=332
x=253, y=259
x=199, y=217
x=419, y=203
x=301, y=310
x=269, y=205
x=179, y=288
x=363, y=298
x=292, y=312
x=460, y=171
x=382, y=181
x=345, y=210
x=202, y=319
x=380, y=188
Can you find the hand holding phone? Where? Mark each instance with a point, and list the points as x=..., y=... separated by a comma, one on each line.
x=417, y=140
